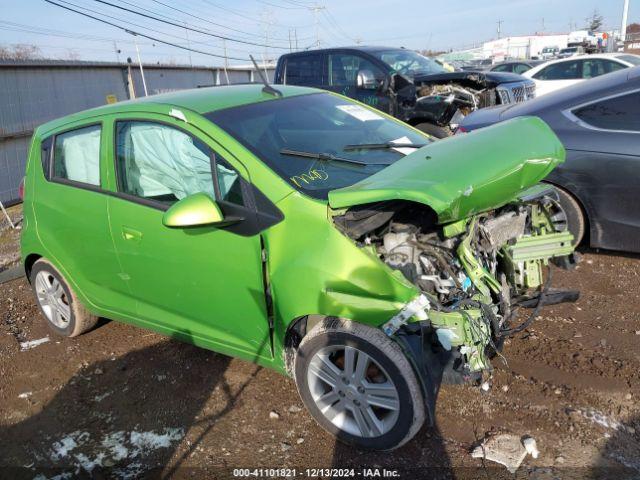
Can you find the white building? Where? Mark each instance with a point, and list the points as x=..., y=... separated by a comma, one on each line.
x=525, y=46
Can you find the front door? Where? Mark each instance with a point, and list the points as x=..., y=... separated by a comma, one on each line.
x=342, y=73
x=201, y=284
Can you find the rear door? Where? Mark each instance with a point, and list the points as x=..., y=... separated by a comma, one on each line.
x=70, y=205
x=604, y=162
x=558, y=75
x=200, y=284
x=306, y=70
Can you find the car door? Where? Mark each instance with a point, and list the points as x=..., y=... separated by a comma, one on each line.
x=306, y=70
x=70, y=206
x=201, y=284
x=558, y=75
x=604, y=163
x=342, y=75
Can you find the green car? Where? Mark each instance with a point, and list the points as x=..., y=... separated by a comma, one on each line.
x=299, y=230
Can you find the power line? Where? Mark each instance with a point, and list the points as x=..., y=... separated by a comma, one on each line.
x=204, y=32
x=242, y=15
x=198, y=17
x=142, y=34
x=138, y=25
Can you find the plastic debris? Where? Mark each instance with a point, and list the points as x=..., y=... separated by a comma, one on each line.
x=531, y=447
x=32, y=343
x=505, y=449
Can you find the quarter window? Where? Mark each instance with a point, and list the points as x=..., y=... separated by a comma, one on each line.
x=619, y=113
x=77, y=155
x=597, y=66
x=162, y=163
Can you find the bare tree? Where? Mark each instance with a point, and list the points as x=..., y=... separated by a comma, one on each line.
x=21, y=51
x=73, y=55
x=595, y=21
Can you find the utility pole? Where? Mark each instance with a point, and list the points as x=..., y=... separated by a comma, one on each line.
x=144, y=82
x=543, y=24
x=295, y=35
x=186, y=32
x=500, y=22
x=316, y=14
x=290, y=47
x=623, y=27
x=226, y=60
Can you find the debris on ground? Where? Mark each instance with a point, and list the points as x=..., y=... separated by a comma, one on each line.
x=28, y=345
x=274, y=415
x=506, y=449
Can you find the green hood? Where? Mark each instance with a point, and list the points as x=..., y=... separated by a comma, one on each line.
x=465, y=174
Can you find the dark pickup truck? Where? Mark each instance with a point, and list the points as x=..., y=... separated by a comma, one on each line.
x=404, y=84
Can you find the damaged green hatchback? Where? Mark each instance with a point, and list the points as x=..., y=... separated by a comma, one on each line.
x=302, y=231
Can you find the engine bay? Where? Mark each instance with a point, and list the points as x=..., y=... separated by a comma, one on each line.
x=473, y=274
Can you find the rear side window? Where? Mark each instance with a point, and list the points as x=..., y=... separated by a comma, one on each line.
x=561, y=71
x=77, y=155
x=502, y=68
x=619, y=113
x=304, y=70
x=162, y=163
x=598, y=66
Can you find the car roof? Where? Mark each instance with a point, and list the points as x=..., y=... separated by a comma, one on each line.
x=361, y=48
x=545, y=64
x=199, y=100
x=594, y=87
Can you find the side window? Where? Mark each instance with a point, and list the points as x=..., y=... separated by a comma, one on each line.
x=77, y=155
x=619, y=113
x=596, y=67
x=343, y=69
x=502, y=68
x=162, y=163
x=560, y=71
x=304, y=70
x=520, y=68
x=45, y=155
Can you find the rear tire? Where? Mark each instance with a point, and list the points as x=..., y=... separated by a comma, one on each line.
x=575, y=218
x=434, y=130
x=358, y=385
x=60, y=306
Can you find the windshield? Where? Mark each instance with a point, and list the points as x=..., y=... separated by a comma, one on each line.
x=409, y=63
x=632, y=59
x=346, y=139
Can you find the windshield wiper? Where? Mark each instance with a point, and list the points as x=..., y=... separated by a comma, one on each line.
x=382, y=146
x=326, y=157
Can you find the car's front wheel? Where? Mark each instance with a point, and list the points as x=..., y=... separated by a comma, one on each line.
x=63, y=311
x=358, y=385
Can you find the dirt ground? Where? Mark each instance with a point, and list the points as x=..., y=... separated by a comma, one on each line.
x=121, y=402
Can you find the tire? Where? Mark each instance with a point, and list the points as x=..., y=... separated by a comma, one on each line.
x=352, y=411
x=575, y=218
x=64, y=313
x=434, y=130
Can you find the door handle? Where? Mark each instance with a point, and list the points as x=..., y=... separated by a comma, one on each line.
x=131, y=234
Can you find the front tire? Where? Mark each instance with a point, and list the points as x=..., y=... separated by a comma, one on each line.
x=64, y=313
x=358, y=385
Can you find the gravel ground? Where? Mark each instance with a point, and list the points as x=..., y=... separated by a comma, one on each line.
x=123, y=402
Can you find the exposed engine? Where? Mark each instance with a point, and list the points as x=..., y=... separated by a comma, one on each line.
x=472, y=273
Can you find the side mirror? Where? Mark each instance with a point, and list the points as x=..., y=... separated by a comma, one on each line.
x=195, y=210
x=366, y=80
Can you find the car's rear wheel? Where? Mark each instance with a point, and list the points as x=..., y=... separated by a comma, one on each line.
x=65, y=315
x=358, y=385
x=575, y=218
x=434, y=130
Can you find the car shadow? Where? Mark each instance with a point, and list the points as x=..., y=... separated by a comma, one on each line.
x=124, y=417
x=425, y=456
x=619, y=458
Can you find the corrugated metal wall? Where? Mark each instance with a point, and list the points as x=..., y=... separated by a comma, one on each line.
x=33, y=94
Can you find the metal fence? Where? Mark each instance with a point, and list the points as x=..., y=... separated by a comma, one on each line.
x=35, y=92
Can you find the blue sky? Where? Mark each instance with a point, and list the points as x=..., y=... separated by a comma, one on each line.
x=418, y=25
